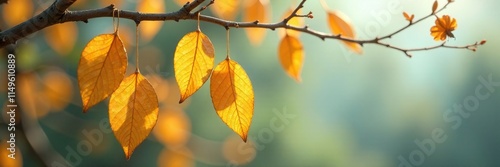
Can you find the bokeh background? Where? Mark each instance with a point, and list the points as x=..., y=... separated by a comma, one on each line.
x=349, y=110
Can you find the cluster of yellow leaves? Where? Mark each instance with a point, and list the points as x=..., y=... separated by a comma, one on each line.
x=230, y=87
x=133, y=105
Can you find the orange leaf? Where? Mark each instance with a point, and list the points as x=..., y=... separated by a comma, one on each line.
x=340, y=24
x=291, y=55
x=408, y=17
x=295, y=21
x=225, y=9
x=232, y=96
x=133, y=111
x=193, y=62
x=101, y=68
x=17, y=11
x=149, y=29
x=256, y=10
x=60, y=38
x=434, y=6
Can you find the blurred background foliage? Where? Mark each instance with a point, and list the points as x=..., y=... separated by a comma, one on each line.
x=349, y=110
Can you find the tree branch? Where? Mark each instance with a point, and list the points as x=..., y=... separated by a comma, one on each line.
x=58, y=13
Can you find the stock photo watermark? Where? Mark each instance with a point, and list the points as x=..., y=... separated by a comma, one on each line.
x=372, y=28
x=264, y=136
x=11, y=105
x=453, y=116
x=93, y=138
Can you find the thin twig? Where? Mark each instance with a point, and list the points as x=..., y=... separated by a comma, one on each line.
x=58, y=13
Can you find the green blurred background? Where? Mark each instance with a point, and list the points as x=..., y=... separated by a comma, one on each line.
x=371, y=110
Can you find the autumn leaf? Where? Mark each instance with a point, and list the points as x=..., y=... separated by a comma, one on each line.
x=408, y=17
x=193, y=62
x=295, y=21
x=443, y=28
x=256, y=10
x=434, y=6
x=149, y=29
x=232, y=96
x=225, y=9
x=58, y=37
x=340, y=24
x=17, y=11
x=291, y=56
x=101, y=68
x=133, y=111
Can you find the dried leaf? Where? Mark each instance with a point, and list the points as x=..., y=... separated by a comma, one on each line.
x=340, y=24
x=225, y=9
x=60, y=37
x=17, y=11
x=291, y=56
x=101, y=68
x=133, y=111
x=149, y=29
x=232, y=96
x=434, y=6
x=256, y=10
x=193, y=62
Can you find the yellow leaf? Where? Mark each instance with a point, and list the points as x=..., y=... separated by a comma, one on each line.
x=57, y=90
x=17, y=11
x=148, y=29
x=133, y=111
x=434, y=6
x=101, y=68
x=61, y=38
x=291, y=55
x=5, y=153
x=225, y=9
x=295, y=21
x=340, y=24
x=193, y=62
x=232, y=96
x=256, y=10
